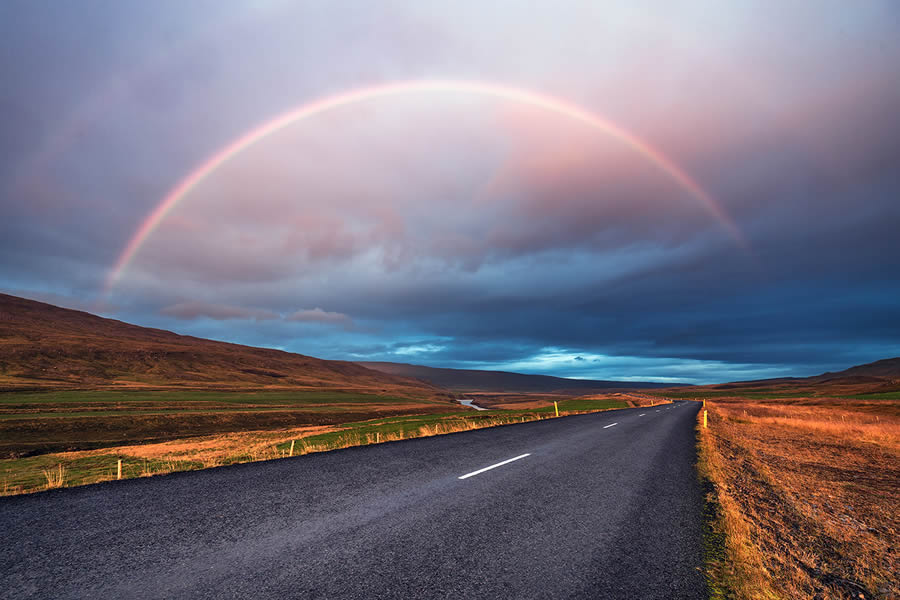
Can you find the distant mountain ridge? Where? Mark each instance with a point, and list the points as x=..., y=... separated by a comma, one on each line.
x=871, y=378
x=45, y=346
x=42, y=345
x=503, y=381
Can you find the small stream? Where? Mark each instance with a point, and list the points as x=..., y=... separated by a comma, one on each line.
x=468, y=402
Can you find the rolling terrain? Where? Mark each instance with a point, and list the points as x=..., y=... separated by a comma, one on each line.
x=468, y=380
x=70, y=380
x=44, y=346
x=880, y=377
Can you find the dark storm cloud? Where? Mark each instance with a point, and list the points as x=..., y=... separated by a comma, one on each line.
x=463, y=232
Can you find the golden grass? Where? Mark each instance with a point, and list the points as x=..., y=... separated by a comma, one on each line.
x=55, y=477
x=808, y=497
x=212, y=450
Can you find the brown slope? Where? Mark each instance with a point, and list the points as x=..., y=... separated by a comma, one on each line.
x=888, y=368
x=45, y=346
x=872, y=378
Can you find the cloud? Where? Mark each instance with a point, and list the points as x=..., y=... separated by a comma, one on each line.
x=469, y=231
x=317, y=315
x=219, y=312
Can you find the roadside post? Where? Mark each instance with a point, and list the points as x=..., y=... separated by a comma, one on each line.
x=291, y=453
x=556, y=407
x=119, y=470
x=705, y=426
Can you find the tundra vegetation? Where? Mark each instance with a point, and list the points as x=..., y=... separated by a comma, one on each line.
x=802, y=495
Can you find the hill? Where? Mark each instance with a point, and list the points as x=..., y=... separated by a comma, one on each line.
x=886, y=369
x=502, y=381
x=879, y=377
x=48, y=347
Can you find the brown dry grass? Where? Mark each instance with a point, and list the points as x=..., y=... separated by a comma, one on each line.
x=515, y=401
x=638, y=399
x=55, y=477
x=210, y=450
x=808, y=494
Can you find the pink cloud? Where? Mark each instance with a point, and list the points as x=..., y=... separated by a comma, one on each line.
x=317, y=315
x=219, y=312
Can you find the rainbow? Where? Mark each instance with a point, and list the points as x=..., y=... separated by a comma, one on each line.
x=316, y=107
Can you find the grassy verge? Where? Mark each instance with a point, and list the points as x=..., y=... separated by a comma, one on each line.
x=64, y=469
x=801, y=500
x=731, y=567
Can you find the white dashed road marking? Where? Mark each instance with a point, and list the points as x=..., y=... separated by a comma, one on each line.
x=499, y=464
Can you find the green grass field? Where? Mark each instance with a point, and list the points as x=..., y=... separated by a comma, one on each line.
x=190, y=398
x=877, y=396
x=40, y=422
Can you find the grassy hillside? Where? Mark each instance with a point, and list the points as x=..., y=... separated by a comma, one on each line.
x=44, y=346
x=879, y=379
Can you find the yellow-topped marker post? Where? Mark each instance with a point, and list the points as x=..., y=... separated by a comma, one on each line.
x=556, y=407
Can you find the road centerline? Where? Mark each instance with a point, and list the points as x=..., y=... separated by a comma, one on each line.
x=494, y=466
x=610, y=425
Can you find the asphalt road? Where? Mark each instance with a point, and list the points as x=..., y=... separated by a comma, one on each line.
x=605, y=505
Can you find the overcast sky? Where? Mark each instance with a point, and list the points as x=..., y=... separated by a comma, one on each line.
x=455, y=228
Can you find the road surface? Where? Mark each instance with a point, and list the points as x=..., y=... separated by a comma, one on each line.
x=605, y=505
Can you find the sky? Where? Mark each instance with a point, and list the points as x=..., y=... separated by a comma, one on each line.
x=691, y=192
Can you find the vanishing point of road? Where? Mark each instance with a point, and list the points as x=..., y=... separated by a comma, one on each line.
x=605, y=505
